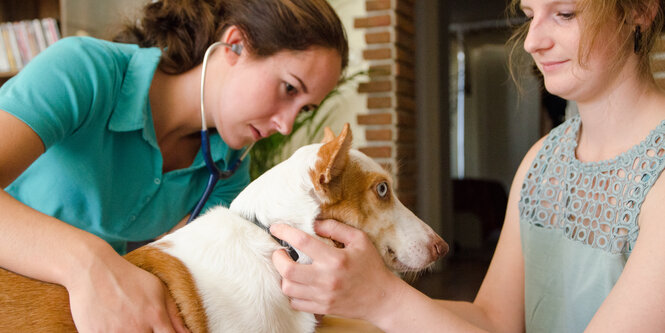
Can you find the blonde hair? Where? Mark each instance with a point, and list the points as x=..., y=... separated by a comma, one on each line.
x=602, y=19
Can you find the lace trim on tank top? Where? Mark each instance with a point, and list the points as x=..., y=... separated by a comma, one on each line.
x=595, y=203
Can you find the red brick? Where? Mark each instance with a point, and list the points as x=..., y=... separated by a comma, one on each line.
x=406, y=103
x=379, y=135
x=377, y=152
x=404, y=71
x=405, y=55
x=407, y=152
x=372, y=21
x=380, y=70
x=406, y=24
x=657, y=64
x=405, y=8
x=372, y=5
x=377, y=37
x=377, y=54
x=405, y=87
x=375, y=119
x=405, y=40
x=660, y=44
x=379, y=102
x=375, y=86
x=407, y=119
x=405, y=135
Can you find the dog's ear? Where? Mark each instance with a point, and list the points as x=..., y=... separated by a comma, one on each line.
x=328, y=135
x=333, y=156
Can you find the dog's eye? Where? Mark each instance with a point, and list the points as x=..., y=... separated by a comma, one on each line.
x=382, y=189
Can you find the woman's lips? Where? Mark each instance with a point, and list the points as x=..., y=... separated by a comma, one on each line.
x=549, y=66
x=255, y=133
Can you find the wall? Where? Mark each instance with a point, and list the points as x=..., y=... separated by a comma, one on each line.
x=390, y=122
x=97, y=18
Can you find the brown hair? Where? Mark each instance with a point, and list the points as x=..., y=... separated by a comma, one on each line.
x=184, y=29
x=596, y=17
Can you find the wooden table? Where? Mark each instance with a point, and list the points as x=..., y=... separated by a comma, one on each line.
x=330, y=324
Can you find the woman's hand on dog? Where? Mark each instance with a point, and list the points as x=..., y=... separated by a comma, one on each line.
x=116, y=296
x=350, y=282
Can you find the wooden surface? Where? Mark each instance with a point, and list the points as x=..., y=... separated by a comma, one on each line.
x=331, y=324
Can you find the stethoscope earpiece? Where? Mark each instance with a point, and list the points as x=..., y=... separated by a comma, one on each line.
x=236, y=48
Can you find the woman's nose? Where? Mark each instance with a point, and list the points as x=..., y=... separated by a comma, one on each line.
x=284, y=121
x=537, y=37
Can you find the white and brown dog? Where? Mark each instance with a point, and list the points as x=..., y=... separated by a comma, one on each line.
x=219, y=269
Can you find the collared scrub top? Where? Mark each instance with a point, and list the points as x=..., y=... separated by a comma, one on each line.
x=87, y=99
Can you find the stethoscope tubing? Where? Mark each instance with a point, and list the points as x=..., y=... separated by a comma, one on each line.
x=215, y=173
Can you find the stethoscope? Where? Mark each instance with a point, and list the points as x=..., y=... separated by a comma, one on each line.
x=215, y=173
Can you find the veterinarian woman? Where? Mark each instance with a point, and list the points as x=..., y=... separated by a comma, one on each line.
x=582, y=245
x=100, y=141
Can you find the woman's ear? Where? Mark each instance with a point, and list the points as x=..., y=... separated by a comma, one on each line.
x=646, y=17
x=235, y=37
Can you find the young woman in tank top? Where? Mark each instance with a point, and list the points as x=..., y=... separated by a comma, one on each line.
x=582, y=244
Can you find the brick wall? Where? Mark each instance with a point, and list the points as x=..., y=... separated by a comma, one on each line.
x=390, y=123
x=658, y=61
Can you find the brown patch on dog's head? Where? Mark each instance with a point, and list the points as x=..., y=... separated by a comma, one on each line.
x=333, y=156
x=357, y=191
x=351, y=191
x=328, y=135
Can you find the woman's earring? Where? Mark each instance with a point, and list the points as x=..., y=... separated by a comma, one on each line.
x=637, y=39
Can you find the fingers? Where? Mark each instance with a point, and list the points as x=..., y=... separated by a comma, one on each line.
x=290, y=270
x=299, y=239
x=308, y=306
x=338, y=231
x=174, y=315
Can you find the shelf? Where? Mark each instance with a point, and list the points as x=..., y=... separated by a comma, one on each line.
x=19, y=10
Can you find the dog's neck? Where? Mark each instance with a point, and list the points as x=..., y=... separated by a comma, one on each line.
x=284, y=194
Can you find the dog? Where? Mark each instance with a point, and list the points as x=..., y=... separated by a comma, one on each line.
x=218, y=268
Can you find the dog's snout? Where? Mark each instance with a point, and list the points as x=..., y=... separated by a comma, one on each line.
x=437, y=247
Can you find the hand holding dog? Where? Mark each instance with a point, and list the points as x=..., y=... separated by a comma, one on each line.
x=116, y=296
x=336, y=279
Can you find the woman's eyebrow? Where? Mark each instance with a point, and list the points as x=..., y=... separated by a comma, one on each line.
x=302, y=84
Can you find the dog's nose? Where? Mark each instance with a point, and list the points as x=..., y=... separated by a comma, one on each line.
x=437, y=247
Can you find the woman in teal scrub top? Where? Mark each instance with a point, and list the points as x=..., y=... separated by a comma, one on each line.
x=582, y=248
x=99, y=141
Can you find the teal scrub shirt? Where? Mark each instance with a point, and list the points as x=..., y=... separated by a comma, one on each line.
x=87, y=99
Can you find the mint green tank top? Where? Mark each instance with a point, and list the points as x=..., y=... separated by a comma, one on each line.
x=578, y=225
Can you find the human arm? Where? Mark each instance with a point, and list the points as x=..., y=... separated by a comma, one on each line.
x=637, y=301
x=353, y=282
x=106, y=292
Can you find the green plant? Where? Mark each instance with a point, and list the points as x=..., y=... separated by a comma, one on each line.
x=266, y=153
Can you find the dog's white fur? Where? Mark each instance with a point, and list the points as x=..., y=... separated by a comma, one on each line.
x=220, y=242
x=230, y=260
x=229, y=257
